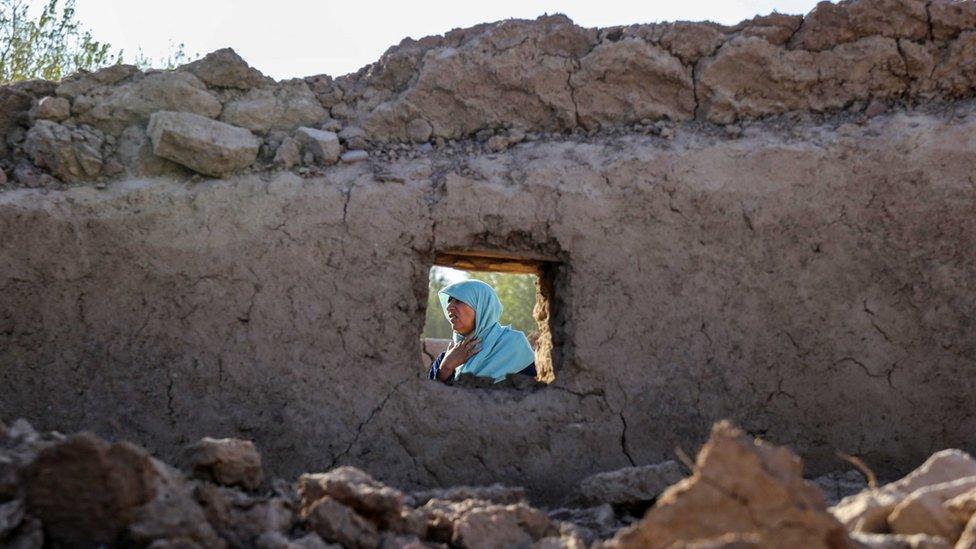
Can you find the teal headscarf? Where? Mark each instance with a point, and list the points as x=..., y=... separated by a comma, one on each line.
x=503, y=350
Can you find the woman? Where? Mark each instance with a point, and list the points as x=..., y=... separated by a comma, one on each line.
x=479, y=345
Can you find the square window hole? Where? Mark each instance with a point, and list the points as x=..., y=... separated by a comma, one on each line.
x=524, y=287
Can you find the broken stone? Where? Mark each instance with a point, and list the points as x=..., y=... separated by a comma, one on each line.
x=868, y=511
x=968, y=538
x=961, y=507
x=600, y=520
x=495, y=493
x=288, y=154
x=502, y=526
x=86, y=491
x=739, y=486
x=325, y=89
x=524, y=81
x=323, y=145
x=241, y=519
x=55, y=109
x=831, y=24
x=628, y=80
x=630, y=484
x=356, y=489
x=70, y=154
x=83, y=82
x=419, y=130
x=922, y=511
x=15, y=105
x=285, y=106
x=354, y=138
x=173, y=517
x=113, y=109
x=898, y=541
x=351, y=157
x=30, y=176
x=950, y=17
x=497, y=143
x=225, y=69
x=227, y=461
x=135, y=153
x=11, y=515
x=205, y=146
x=336, y=522
x=332, y=125
x=734, y=83
x=875, y=108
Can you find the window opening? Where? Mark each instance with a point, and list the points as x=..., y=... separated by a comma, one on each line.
x=521, y=286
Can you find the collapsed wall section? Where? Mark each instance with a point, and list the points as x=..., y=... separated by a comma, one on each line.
x=508, y=78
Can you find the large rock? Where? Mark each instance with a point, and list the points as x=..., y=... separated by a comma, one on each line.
x=630, y=485
x=922, y=512
x=69, y=154
x=134, y=150
x=86, y=491
x=629, y=80
x=285, y=106
x=203, y=145
x=749, y=77
x=55, y=109
x=83, y=82
x=830, y=24
x=15, y=104
x=336, y=522
x=356, y=489
x=513, y=73
x=868, y=511
x=225, y=69
x=951, y=17
x=241, y=518
x=173, y=518
x=114, y=108
x=480, y=524
x=323, y=145
x=227, y=461
x=740, y=486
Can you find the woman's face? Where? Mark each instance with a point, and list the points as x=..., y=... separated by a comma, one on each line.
x=461, y=316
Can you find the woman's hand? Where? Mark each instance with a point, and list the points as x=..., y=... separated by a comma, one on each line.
x=456, y=355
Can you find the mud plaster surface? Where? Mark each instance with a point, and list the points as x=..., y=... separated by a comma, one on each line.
x=816, y=287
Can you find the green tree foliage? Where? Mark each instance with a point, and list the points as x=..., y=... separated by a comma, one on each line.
x=517, y=292
x=52, y=45
x=49, y=46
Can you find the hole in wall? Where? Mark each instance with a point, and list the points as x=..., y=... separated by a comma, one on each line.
x=523, y=285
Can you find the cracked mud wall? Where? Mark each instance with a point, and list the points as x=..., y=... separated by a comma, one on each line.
x=815, y=285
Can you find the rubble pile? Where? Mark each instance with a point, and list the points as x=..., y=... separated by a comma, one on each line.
x=82, y=491
x=486, y=88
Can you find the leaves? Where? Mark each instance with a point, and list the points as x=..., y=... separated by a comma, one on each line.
x=53, y=45
x=50, y=46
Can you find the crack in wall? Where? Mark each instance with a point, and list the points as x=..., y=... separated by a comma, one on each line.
x=623, y=440
x=362, y=425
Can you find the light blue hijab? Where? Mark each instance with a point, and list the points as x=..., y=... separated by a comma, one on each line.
x=503, y=350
